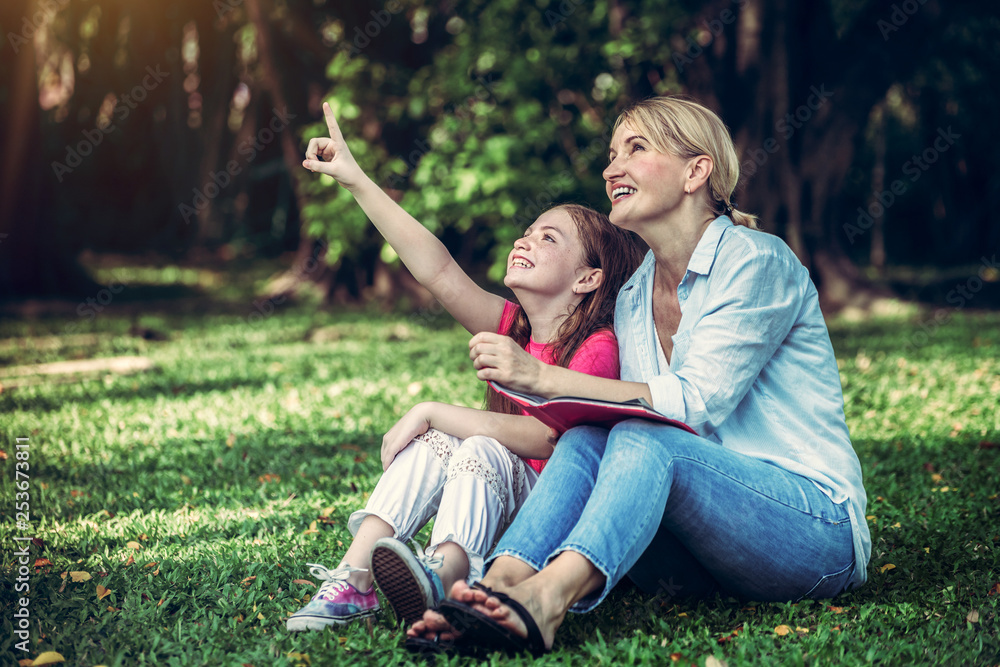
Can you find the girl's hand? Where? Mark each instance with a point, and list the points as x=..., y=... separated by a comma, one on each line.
x=414, y=423
x=499, y=358
x=331, y=156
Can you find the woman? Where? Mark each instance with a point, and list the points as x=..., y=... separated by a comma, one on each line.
x=720, y=328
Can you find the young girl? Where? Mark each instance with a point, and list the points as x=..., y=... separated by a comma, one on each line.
x=473, y=469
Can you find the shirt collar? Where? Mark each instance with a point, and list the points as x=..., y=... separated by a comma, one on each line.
x=704, y=253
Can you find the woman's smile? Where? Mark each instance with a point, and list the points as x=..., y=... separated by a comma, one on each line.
x=620, y=192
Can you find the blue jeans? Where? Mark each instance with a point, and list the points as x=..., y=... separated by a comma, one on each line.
x=682, y=515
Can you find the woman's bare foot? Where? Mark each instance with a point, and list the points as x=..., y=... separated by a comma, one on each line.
x=547, y=613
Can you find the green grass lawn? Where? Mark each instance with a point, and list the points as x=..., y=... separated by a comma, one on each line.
x=192, y=495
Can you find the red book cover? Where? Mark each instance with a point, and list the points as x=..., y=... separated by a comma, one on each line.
x=564, y=412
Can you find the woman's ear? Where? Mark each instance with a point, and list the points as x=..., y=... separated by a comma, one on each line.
x=588, y=280
x=699, y=169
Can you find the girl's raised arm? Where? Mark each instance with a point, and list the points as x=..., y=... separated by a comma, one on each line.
x=423, y=254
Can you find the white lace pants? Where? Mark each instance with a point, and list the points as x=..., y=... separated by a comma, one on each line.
x=475, y=486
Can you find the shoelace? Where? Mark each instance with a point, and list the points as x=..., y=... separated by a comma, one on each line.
x=433, y=562
x=334, y=581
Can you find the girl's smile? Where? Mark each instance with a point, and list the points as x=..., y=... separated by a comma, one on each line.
x=547, y=258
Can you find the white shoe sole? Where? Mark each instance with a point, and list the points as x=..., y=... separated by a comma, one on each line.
x=301, y=623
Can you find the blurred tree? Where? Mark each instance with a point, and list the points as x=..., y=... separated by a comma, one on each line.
x=800, y=82
x=509, y=116
x=32, y=258
x=476, y=115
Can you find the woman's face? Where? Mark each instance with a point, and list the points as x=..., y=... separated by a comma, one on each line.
x=643, y=183
x=549, y=257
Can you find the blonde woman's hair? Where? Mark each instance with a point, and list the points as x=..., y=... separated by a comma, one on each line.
x=687, y=129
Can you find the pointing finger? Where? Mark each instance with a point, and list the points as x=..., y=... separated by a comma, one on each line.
x=331, y=123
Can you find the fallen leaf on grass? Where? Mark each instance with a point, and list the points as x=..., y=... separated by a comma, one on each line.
x=886, y=567
x=42, y=562
x=129, y=561
x=836, y=610
x=48, y=658
x=732, y=635
x=269, y=477
x=3, y=455
x=249, y=580
x=110, y=608
x=782, y=630
x=160, y=602
x=995, y=590
x=102, y=592
x=972, y=616
x=804, y=631
x=676, y=657
x=299, y=658
x=712, y=661
x=79, y=576
x=305, y=582
x=26, y=662
x=311, y=529
x=132, y=544
x=150, y=564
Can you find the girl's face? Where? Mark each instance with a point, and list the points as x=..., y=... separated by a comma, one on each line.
x=642, y=183
x=548, y=259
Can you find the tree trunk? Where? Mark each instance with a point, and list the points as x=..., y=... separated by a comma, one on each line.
x=809, y=102
x=307, y=254
x=32, y=261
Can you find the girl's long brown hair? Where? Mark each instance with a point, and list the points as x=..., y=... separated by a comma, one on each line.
x=617, y=253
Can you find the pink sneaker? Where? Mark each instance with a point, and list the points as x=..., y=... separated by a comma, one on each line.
x=335, y=602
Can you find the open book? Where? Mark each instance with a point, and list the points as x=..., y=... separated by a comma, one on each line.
x=565, y=412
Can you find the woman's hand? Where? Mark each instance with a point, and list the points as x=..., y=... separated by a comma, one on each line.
x=331, y=156
x=414, y=423
x=499, y=358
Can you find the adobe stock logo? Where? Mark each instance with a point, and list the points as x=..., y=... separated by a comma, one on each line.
x=47, y=9
x=373, y=28
x=915, y=167
x=75, y=153
x=220, y=180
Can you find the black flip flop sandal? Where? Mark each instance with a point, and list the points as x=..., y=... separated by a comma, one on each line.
x=482, y=632
x=427, y=647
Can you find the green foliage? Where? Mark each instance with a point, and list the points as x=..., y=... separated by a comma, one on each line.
x=217, y=462
x=507, y=119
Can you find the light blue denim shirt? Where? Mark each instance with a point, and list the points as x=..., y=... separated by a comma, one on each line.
x=752, y=367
